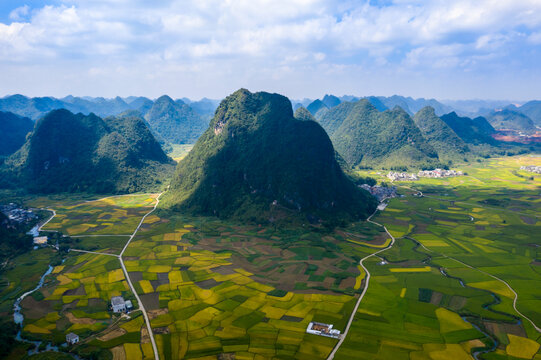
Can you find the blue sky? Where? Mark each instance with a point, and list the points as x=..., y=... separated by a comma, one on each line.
x=446, y=49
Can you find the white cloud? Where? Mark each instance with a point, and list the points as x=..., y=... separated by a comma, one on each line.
x=19, y=13
x=273, y=36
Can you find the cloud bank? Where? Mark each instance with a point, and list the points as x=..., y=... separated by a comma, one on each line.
x=445, y=49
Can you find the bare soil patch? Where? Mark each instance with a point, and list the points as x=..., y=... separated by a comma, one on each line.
x=152, y=314
x=161, y=330
x=78, y=291
x=112, y=334
x=145, y=338
x=33, y=309
x=163, y=278
x=207, y=284
x=136, y=276
x=76, y=320
x=224, y=269
x=528, y=220
x=118, y=352
x=151, y=301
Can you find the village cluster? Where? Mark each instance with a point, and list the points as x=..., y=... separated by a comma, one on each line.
x=531, y=168
x=380, y=192
x=436, y=173
x=17, y=214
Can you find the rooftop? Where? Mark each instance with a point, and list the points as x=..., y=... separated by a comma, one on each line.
x=117, y=300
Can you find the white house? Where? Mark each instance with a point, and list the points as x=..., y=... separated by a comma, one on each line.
x=323, y=330
x=72, y=338
x=40, y=240
x=118, y=304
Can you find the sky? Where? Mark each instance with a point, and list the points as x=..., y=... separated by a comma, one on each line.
x=443, y=49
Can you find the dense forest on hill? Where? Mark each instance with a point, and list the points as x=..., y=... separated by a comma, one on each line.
x=256, y=160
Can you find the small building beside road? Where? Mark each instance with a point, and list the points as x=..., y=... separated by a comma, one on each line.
x=40, y=240
x=72, y=338
x=118, y=304
x=316, y=328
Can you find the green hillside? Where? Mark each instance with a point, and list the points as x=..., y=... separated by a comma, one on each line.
x=472, y=131
x=317, y=108
x=333, y=118
x=13, y=131
x=389, y=139
x=439, y=135
x=257, y=162
x=511, y=120
x=175, y=122
x=532, y=109
x=72, y=153
x=303, y=115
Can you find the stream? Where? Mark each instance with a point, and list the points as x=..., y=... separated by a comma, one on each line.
x=18, y=318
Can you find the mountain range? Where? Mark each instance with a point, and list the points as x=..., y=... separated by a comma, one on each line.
x=179, y=121
x=382, y=103
x=257, y=161
x=364, y=136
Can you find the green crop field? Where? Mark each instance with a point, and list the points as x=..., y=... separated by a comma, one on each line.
x=471, y=228
x=214, y=289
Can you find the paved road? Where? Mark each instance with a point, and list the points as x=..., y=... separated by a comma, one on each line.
x=141, y=306
x=367, y=281
x=494, y=277
x=46, y=222
x=537, y=328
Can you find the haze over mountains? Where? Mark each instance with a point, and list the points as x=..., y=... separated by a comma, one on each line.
x=466, y=108
x=375, y=132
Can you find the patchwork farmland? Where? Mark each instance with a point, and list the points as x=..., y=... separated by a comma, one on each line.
x=219, y=290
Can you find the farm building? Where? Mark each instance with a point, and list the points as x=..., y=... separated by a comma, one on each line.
x=322, y=329
x=129, y=305
x=72, y=338
x=118, y=304
x=40, y=240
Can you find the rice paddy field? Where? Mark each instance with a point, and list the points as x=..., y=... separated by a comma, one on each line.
x=117, y=215
x=218, y=290
x=467, y=230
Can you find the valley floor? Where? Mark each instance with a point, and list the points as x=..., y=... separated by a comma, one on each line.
x=462, y=279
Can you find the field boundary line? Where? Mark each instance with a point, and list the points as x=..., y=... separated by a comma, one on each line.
x=492, y=276
x=94, y=252
x=141, y=306
x=365, y=289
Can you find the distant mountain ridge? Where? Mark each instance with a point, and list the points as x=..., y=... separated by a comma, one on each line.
x=508, y=119
x=382, y=103
x=364, y=136
x=13, y=131
x=69, y=152
x=473, y=131
x=175, y=121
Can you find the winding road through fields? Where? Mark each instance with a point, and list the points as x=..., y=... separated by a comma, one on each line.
x=141, y=306
x=366, y=283
x=515, y=299
x=126, y=275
